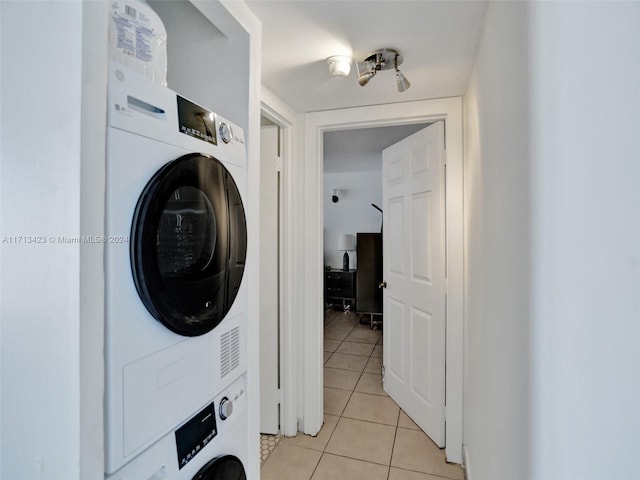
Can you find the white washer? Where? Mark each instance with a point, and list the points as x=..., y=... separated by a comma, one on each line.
x=209, y=446
x=174, y=258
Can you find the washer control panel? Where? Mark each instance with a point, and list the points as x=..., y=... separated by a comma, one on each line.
x=194, y=435
x=210, y=424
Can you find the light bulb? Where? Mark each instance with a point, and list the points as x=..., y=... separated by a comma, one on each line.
x=339, y=65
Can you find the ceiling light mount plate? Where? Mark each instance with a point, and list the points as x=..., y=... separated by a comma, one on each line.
x=384, y=59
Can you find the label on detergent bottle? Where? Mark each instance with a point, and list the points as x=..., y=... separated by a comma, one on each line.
x=138, y=39
x=134, y=33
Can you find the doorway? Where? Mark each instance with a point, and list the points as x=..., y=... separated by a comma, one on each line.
x=270, y=273
x=316, y=125
x=352, y=182
x=281, y=345
x=352, y=186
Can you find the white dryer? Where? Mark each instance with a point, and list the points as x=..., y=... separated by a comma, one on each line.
x=174, y=262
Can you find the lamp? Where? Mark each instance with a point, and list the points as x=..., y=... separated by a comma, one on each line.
x=401, y=81
x=347, y=243
x=383, y=59
x=339, y=65
x=365, y=77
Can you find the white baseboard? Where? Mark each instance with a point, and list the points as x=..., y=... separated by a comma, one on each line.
x=466, y=463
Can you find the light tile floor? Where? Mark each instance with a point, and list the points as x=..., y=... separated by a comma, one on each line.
x=365, y=435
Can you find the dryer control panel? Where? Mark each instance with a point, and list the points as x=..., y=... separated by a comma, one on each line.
x=196, y=121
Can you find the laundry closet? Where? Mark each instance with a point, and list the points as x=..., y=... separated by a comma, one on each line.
x=179, y=372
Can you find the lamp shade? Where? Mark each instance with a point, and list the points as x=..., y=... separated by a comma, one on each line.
x=401, y=81
x=346, y=242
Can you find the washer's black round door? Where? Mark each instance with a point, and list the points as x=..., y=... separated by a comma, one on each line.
x=227, y=467
x=188, y=244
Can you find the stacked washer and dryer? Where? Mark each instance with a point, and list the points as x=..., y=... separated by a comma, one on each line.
x=175, y=393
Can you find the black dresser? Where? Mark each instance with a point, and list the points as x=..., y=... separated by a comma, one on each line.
x=340, y=288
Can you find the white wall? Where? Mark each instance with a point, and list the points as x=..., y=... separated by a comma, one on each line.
x=497, y=247
x=553, y=243
x=586, y=233
x=92, y=207
x=40, y=197
x=219, y=78
x=353, y=213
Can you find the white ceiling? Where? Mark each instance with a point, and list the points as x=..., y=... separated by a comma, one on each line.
x=360, y=150
x=437, y=39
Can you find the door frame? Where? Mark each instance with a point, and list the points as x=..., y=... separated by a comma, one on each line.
x=272, y=108
x=315, y=125
x=270, y=270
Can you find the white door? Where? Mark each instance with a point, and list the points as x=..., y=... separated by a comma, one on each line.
x=269, y=279
x=414, y=270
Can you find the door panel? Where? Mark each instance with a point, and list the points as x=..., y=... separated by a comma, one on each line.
x=420, y=249
x=395, y=365
x=414, y=269
x=395, y=218
x=421, y=326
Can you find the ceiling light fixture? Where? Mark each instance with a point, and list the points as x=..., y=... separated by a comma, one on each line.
x=401, y=81
x=383, y=59
x=339, y=65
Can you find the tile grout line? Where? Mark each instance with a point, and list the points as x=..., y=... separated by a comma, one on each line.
x=393, y=445
x=316, y=467
x=368, y=461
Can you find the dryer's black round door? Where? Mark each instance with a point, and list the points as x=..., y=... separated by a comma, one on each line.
x=188, y=244
x=227, y=467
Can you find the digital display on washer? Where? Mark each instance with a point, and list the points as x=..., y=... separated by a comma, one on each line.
x=196, y=121
x=194, y=435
